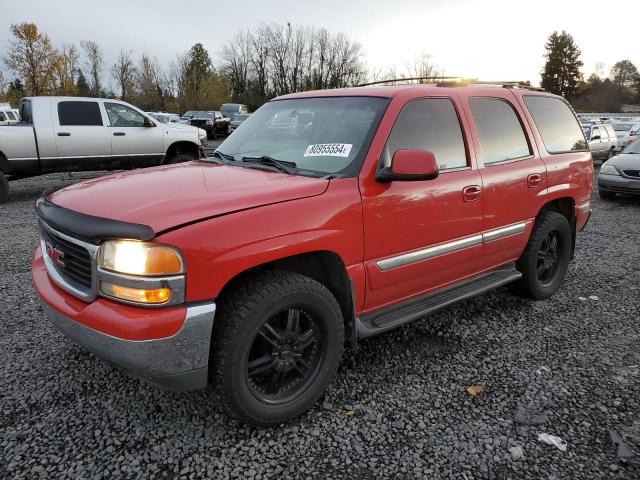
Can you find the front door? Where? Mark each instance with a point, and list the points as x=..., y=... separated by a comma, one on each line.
x=135, y=140
x=420, y=235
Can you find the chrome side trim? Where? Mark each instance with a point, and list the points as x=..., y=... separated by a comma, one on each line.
x=452, y=246
x=502, y=232
x=429, y=252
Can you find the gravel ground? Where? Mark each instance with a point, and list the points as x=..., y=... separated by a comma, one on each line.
x=398, y=407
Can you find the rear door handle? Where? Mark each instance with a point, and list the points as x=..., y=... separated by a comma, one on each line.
x=119, y=134
x=534, y=180
x=471, y=193
x=64, y=134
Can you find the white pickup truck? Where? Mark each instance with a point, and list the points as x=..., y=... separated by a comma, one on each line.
x=63, y=134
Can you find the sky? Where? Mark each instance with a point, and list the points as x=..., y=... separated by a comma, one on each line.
x=485, y=39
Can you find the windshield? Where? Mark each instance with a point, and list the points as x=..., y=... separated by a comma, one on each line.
x=241, y=118
x=326, y=135
x=633, y=147
x=160, y=117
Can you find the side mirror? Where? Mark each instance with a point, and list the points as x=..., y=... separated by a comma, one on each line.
x=148, y=123
x=596, y=137
x=409, y=165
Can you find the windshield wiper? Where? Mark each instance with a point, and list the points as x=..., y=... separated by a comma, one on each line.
x=286, y=167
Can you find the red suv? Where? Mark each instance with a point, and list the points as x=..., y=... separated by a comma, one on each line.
x=329, y=216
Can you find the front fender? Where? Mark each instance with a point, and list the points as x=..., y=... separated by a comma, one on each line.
x=219, y=249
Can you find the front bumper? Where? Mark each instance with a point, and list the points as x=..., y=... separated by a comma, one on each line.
x=618, y=184
x=178, y=360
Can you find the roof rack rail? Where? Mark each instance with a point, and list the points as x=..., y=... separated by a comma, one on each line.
x=442, y=81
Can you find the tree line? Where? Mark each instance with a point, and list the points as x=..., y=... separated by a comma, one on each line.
x=254, y=66
x=562, y=75
x=258, y=64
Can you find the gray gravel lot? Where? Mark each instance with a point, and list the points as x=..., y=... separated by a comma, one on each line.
x=64, y=414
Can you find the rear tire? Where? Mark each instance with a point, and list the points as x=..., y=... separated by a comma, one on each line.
x=605, y=195
x=270, y=363
x=546, y=258
x=4, y=188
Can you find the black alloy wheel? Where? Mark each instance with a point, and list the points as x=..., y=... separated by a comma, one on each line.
x=285, y=355
x=549, y=258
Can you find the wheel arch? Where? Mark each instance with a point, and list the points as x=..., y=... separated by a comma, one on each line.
x=566, y=206
x=182, y=147
x=326, y=267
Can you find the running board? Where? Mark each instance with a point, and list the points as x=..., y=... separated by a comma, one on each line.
x=416, y=308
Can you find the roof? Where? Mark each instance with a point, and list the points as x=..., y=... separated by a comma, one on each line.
x=390, y=91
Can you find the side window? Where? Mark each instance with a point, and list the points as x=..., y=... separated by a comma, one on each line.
x=11, y=115
x=3, y=117
x=558, y=127
x=596, y=132
x=499, y=130
x=73, y=113
x=429, y=124
x=123, y=116
x=25, y=113
x=610, y=131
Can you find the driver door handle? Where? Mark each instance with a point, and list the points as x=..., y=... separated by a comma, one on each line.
x=119, y=134
x=471, y=193
x=534, y=180
x=64, y=134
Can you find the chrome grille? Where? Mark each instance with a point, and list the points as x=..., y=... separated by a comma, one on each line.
x=71, y=262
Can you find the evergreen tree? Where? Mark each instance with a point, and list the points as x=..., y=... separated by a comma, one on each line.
x=561, y=73
x=82, y=87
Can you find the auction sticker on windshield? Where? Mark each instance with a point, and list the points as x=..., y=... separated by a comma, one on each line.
x=328, y=150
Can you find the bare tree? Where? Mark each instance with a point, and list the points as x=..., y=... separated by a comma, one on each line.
x=123, y=73
x=94, y=61
x=236, y=57
x=151, y=84
x=31, y=57
x=422, y=66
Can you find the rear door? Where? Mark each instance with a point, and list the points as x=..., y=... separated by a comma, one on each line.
x=513, y=176
x=420, y=235
x=81, y=137
x=136, y=140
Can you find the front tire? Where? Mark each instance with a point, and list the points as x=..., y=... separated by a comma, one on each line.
x=606, y=195
x=4, y=188
x=546, y=258
x=183, y=157
x=277, y=347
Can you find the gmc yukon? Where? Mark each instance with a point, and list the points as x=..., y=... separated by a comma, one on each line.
x=62, y=134
x=377, y=207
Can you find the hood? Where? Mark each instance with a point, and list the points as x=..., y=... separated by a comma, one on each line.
x=169, y=196
x=626, y=161
x=180, y=127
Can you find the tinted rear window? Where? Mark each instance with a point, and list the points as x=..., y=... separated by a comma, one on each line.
x=499, y=130
x=556, y=123
x=11, y=115
x=74, y=113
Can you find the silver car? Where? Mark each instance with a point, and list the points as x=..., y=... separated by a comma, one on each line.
x=621, y=174
x=602, y=141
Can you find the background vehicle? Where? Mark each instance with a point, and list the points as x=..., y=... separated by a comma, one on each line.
x=211, y=121
x=626, y=133
x=237, y=121
x=61, y=134
x=381, y=206
x=230, y=110
x=164, y=117
x=8, y=115
x=603, y=141
x=621, y=174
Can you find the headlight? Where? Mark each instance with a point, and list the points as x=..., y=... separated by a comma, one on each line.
x=139, y=258
x=608, y=169
x=141, y=273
